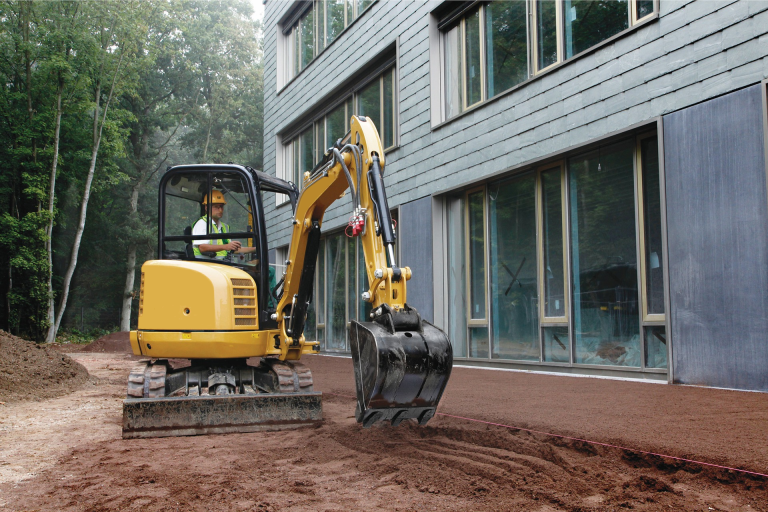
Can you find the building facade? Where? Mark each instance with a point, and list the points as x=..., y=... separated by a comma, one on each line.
x=580, y=185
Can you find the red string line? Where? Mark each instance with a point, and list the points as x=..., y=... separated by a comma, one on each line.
x=597, y=443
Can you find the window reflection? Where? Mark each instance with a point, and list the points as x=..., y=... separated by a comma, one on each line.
x=587, y=22
x=553, y=273
x=605, y=315
x=476, y=255
x=546, y=33
x=457, y=289
x=336, y=326
x=473, y=76
x=507, y=45
x=514, y=294
x=654, y=270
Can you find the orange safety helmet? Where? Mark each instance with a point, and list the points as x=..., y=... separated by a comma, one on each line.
x=218, y=198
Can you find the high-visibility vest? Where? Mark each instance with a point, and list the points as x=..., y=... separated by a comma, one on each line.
x=224, y=241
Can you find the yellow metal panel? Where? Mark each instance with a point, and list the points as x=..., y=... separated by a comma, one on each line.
x=193, y=296
x=135, y=343
x=207, y=345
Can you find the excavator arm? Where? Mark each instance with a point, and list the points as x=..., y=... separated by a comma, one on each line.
x=402, y=363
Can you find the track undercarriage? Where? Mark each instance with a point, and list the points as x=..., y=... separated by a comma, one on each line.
x=218, y=396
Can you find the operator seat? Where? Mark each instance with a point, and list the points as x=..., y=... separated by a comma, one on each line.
x=189, y=251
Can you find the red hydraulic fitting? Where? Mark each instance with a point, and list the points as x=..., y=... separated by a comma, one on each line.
x=358, y=223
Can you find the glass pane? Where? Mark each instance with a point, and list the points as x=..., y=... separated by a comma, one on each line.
x=644, y=8
x=478, y=342
x=296, y=162
x=335, y=123
x=546, y=33
x=364, y=308
x=555, y=344
x=307, y=24
x=319, y=140
x=369, y=103
x=476, y=255
x=453, y=86
x=587, y=22
x=514, y=295
x=655, y=347
x=552, y=243
x=654, y=270
x=336, y=327
x=507, y=45
x=296, y=42
x=310, y=327
x=472, y=42
x=457, y=288
x=388, y=130
x=321, y=336
x=353, y=296
x=320, y=292
x=307, y=155
x=604, y=249
x=334, y=19
x=363, y=5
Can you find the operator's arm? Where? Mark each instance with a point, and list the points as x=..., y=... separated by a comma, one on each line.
x=231, y=246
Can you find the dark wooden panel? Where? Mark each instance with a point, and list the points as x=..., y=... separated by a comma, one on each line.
x=415, y=239
x=717, y=221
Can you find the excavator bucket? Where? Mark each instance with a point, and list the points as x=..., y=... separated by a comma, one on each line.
x=402, y=365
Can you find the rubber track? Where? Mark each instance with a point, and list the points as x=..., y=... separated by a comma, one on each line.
x=147, y=381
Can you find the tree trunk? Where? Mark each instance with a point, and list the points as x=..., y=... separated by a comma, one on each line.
x=51, y=335
x=130, y=267
x=97, y=130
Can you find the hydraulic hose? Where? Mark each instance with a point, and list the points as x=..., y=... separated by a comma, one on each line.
x=351, y=183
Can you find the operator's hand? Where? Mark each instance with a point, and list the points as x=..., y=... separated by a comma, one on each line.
x=234, y=245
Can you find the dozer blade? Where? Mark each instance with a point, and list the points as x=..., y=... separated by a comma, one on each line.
x=189, y=416
x=218, y=397
x=401, y=370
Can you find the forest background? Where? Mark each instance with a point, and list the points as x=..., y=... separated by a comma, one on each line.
x=99, y=98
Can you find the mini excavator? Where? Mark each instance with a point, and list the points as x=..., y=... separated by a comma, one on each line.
x=222, y=340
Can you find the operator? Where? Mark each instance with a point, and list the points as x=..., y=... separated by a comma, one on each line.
x=201, y=227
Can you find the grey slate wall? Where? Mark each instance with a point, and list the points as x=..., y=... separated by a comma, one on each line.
x=717, y=221
x=415, y=239
x=696, y=50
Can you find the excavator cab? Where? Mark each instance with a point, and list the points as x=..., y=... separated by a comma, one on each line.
x=189, y=222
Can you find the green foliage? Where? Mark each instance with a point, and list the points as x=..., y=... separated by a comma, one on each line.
x=189, y=76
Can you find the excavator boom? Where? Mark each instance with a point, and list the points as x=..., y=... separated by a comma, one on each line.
x=401, y=363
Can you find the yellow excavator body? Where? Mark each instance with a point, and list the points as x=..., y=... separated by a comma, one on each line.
x=220, y=312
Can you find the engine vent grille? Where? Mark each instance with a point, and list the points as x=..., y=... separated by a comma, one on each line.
x=141, y=295
x=244, y=288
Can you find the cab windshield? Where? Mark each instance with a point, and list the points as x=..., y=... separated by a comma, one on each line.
x=208, y=217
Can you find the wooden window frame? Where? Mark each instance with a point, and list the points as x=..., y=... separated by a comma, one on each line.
x=551, y=321
x=645, y=318
x=485, y=321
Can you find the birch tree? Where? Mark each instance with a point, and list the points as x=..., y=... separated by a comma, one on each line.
x=115, y=44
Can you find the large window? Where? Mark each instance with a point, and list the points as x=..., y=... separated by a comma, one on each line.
x=574, y=271
x=375, y=99
x=498, y=45
x=318, y=23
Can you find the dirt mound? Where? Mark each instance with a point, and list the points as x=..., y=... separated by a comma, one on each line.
x=29, y=371
x=117, y=342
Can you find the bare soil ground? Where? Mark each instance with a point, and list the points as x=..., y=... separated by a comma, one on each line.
x=66, y=453
x=30, y=371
